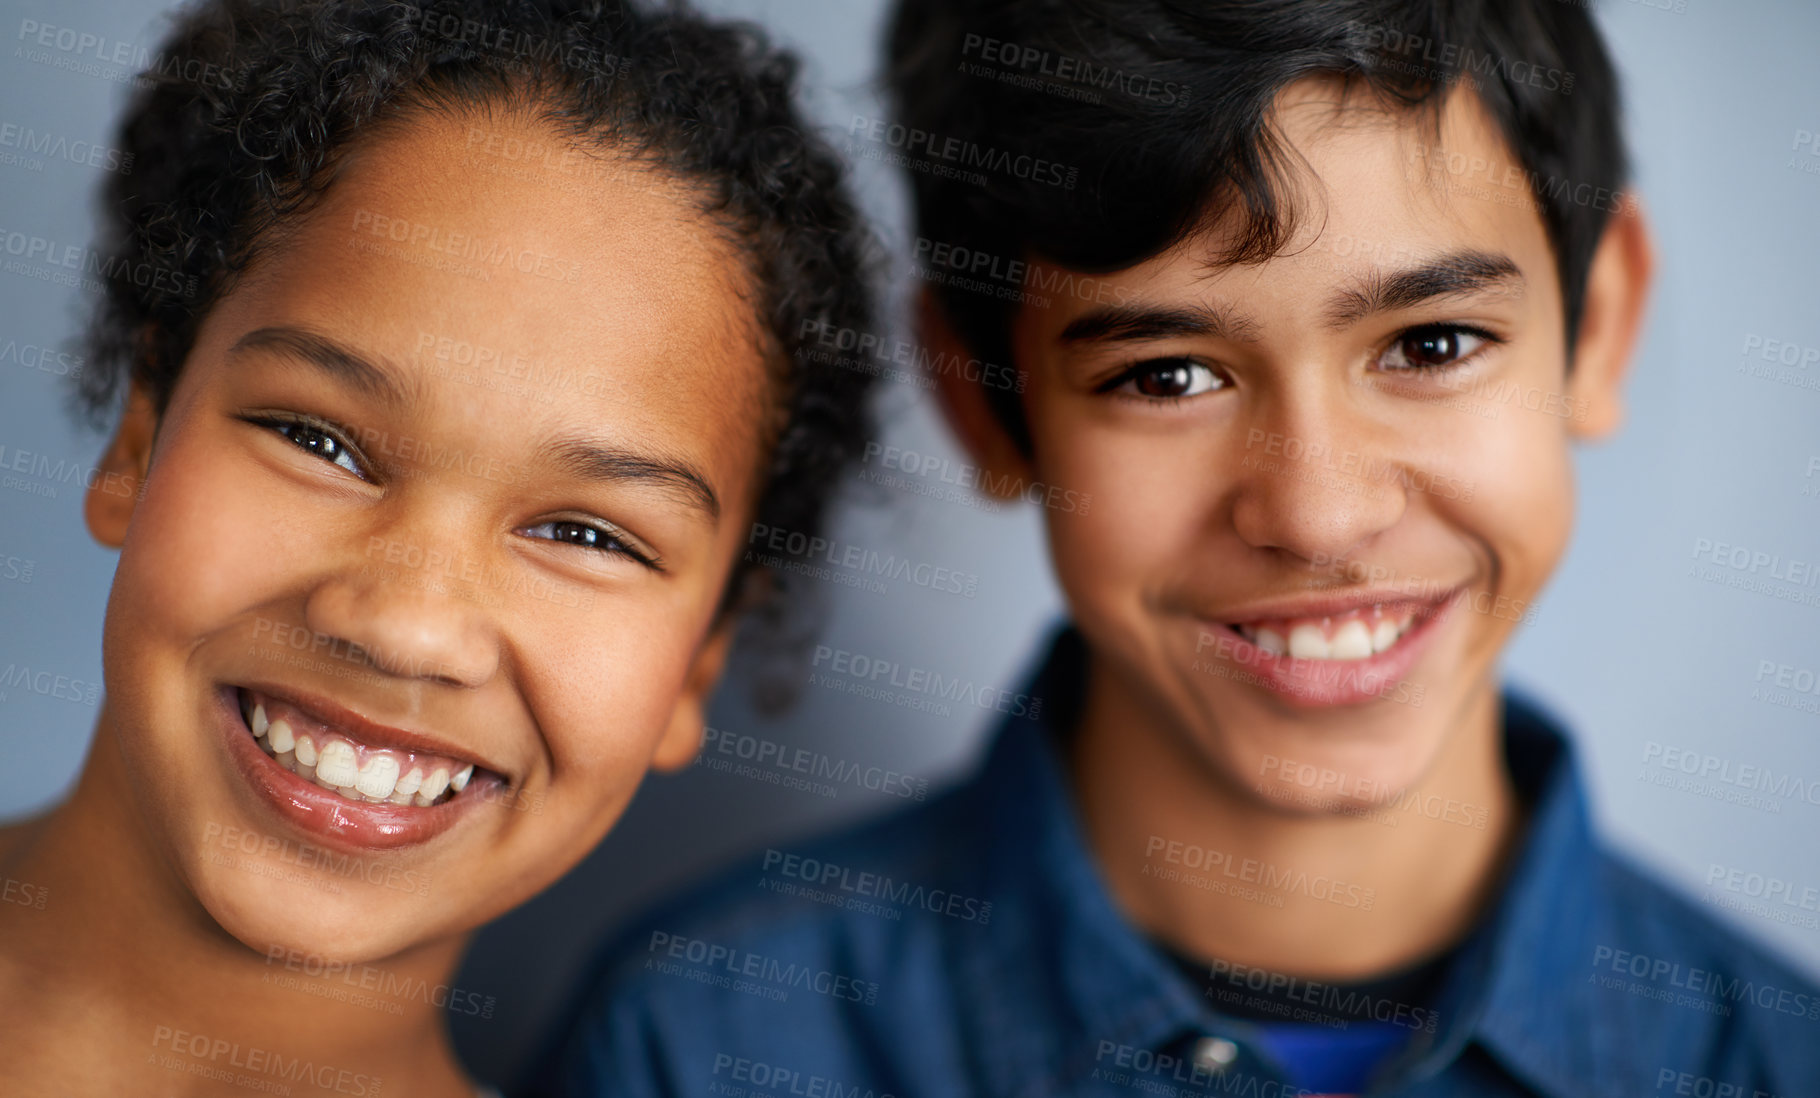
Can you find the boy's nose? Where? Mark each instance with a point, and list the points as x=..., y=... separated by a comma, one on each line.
x=408, y=631
x=1314, y=496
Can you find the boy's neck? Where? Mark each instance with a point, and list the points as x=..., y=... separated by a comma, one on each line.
x=94, y=986
x=1413, y=886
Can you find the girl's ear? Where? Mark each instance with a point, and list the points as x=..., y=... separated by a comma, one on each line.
x=681, y=740
x=120, y=479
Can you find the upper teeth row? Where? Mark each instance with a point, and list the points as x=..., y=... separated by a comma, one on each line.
x=1355, y=639
x=334, y=764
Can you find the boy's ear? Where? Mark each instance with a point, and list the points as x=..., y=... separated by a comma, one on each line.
x=682, y=739
x=968, y=411
x=1617, y=290
x=114, y=492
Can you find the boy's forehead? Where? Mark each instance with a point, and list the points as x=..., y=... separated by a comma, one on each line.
x=1368, y=190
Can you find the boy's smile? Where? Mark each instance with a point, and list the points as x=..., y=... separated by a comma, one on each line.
x=432, y=615
x=1310, y=525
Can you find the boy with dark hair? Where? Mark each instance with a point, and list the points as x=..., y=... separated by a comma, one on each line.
x=1336, y=289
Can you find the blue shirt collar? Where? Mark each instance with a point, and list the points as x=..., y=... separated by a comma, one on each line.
x=1518, y=986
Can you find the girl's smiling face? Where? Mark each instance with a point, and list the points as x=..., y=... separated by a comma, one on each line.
x=453, y=478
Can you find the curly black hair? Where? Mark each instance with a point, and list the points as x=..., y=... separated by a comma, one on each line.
x=248, y=109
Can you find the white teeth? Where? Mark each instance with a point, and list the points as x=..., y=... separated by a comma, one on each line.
x=460, y=781
x=1352, y=642
x=378, y=777
x=410, y=782
x=399, y=797
x=259, y=722
x=287, y=759
x=337, y=764
x=1384, y=635
x=306, y=750
x=1271, y=641
x=349, y=792
x=434, y=784
x=1307, y=642
x=278, y=733
x=307, y=773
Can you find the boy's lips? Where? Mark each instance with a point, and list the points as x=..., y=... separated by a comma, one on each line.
x=1327, y=650
x=349, y=793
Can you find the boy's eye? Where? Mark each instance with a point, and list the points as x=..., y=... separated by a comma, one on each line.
x=571, y=532
x=1432, y=347
x=1168, y=379
x=317, y=440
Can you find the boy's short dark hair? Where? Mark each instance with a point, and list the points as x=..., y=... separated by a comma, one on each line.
x=1157, y=110
x=247, y=108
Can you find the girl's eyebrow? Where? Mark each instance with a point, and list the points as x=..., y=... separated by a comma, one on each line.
x=338, y=360
x=585, y=459
x=592, y=460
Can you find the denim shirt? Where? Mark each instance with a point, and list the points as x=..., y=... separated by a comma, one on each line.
x=970, y=947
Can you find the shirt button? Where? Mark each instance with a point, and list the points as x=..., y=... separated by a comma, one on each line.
x=1215, y=1054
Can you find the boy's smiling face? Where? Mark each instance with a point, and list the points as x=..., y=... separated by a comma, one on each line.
x=1357, y=450
x=454, y=477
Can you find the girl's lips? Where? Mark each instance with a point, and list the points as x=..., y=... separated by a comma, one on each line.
x=1324, y=683
x=327, y=817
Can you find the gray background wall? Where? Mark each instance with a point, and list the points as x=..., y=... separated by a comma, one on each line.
x=1629, y=646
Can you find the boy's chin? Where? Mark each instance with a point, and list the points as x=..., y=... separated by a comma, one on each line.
x=1332, y=779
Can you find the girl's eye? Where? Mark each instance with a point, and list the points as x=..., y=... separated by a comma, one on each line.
x=570, y=532
x=320, y=441
x=1434, y=347
x=1168, y=379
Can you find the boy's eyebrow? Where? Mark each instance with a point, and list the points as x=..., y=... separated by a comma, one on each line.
x=590, y=460
x=1140, y=322
x=341, y=362
x=1452, y=275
